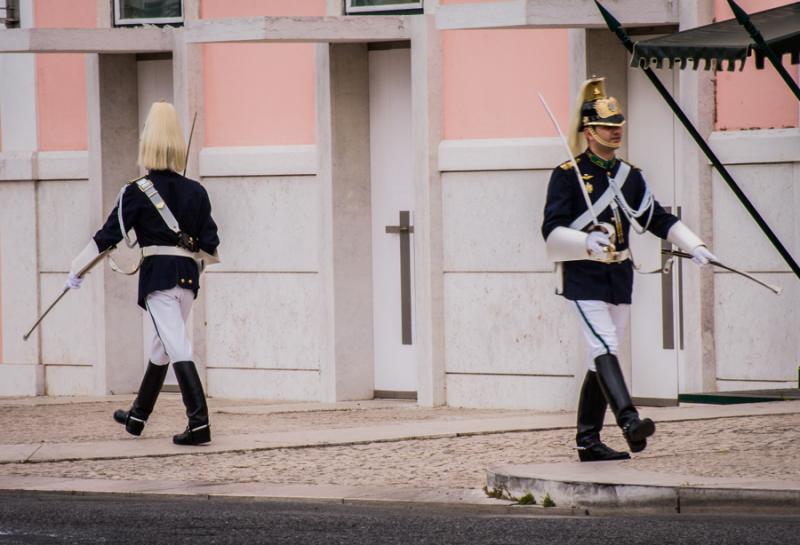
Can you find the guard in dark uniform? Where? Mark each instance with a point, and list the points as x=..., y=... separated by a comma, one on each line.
x=592, y=253
x=171, y=216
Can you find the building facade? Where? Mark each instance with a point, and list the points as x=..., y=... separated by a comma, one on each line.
x=379, y=181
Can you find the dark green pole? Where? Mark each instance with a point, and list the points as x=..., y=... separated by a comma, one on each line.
x=616, y=27
x=761, y=43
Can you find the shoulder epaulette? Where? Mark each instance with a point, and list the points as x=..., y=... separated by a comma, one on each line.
x=134, y=180
x=634, y=167
x=569, y=164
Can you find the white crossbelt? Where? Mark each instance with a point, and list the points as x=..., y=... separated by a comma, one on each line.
x=605, y=199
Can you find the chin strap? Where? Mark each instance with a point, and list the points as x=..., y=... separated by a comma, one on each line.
x=603, y=141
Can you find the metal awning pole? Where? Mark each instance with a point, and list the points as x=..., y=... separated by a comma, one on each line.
x=616, y=28
x=744, y=19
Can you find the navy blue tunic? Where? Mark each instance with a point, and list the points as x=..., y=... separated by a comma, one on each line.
x=189, y=203
x=589, y=280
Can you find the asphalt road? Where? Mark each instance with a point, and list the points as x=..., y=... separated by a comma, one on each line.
x=31, y=518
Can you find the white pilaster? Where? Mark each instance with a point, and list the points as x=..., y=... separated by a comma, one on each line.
x=426, y=101
x=698, y=367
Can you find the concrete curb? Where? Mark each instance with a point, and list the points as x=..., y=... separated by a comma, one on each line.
x=454, y=499
x=608, y=487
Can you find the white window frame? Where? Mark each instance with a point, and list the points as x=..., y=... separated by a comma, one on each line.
x=119, y=21
x=349, y=8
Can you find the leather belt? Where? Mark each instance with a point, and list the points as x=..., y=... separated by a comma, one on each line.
x=148, y=251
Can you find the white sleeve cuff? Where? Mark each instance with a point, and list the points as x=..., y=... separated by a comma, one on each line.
x=565, y=244
x=683, y=237
x=85, y=259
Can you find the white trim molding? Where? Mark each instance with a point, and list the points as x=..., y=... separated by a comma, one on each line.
x=87, y=40
x=62, y=165
x=501, y=154
x=332, y=29
x=554, y=14
x=758, y=146
x=16, y=165
x=296, y=160
x=44, y=165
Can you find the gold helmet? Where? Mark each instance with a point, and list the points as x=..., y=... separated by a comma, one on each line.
x=593, y=107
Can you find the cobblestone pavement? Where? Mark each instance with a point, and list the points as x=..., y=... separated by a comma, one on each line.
x=91, y=421
x=757, y=447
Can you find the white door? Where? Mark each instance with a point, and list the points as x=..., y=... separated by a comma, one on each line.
x=392, y=221
x=656, y=322
x=155, y=83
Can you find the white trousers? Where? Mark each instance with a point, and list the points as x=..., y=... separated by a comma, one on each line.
x=169, y=310
x=603, y=326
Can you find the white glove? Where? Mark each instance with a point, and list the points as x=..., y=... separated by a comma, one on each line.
x=701, y=256
x=598, y=242
x=73, y=282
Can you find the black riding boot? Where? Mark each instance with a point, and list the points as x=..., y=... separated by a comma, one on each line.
x=591, y=413
x=134, y=419
x=635, y=430
x=197, y=432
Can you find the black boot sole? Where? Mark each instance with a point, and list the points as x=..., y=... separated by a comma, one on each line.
x=193, y=437
x=588, y=454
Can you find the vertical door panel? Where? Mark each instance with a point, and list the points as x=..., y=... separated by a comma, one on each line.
x=392, y=192
x=655, y=315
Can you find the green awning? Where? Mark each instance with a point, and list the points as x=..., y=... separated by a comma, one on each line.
x=721, y=45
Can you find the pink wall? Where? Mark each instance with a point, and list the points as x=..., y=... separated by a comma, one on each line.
x=754, y=99
x=61, y=78
x=491, y=80
x=260, y=94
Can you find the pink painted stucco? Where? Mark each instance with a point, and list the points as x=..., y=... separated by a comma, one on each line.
x=260, y=94
x=491, y=79
x=469, y=1
x=61, y=78
x=754, y=99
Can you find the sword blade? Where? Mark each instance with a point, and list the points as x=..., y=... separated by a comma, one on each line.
x=774, y=289
x=28, y=334
x=575, y=168
x=80, y=274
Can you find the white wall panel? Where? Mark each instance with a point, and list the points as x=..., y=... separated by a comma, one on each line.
x=509, y=323
x=20, y=380
x=65, y=380
x=264, y=384
x=737, y=238
x=18, y=275
x=492, y=221
x=756, y=332
x=263, y=320
x=512, y=392
x=266, y=224
x=68, y=332
x=64, y=223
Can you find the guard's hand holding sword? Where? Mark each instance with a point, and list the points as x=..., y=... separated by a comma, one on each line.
x=701, y=256
x=73, y=281
x=599, y=243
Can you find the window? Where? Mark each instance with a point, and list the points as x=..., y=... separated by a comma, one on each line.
x=383, y=6
x=9, y=13
x=147, y=12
